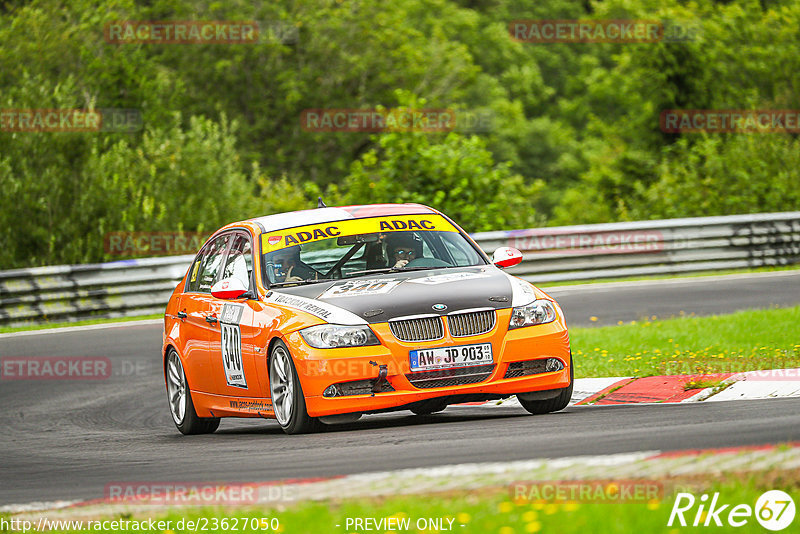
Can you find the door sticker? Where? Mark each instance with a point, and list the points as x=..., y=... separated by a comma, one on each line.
x=232, y=314
x=232, y=355
x=252, y=405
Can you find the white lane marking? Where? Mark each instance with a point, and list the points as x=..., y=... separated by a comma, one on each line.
x=586, y=387
x=751, y=390
x=703, y=394
x=754, y=385
x=82, y=328
x=751, y=385
x=35, y=506
x=583, y=389
x=512, y=468
x=604, y=286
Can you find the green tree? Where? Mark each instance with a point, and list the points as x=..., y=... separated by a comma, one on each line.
x=456, y=175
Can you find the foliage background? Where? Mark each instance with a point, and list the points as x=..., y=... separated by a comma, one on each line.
x=575, y=136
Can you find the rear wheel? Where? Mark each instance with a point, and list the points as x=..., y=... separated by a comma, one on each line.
x=558, y=401
x=180, y=400
x=287, y=394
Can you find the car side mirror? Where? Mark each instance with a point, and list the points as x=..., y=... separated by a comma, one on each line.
x=506, y=257
x=228, y=288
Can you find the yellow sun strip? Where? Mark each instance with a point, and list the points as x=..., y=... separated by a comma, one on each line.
x=194, y=271
x=316, y=232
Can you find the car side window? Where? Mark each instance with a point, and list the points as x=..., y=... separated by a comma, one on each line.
x=207, y=265
x=239, y=263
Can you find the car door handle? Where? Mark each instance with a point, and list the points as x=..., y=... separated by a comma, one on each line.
x=211, y=319
x=182, y=315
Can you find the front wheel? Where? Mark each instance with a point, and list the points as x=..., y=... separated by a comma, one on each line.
x=429, y=406
x=287, y=394
x=180, y=400
x=559, y=400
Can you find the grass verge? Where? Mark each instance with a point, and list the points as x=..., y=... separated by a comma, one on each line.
x=491, y=510
x=743, y=341
x=698, y=274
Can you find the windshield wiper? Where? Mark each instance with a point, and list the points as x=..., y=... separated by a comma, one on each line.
x=371, y=271
x=300, y=282
x=424, y=268
x=385, y=270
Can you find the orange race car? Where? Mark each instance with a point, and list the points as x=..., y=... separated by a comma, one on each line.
x=320, y=316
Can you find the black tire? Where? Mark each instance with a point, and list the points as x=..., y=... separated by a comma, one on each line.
x=429, y=406
x=179, y=397
x=559, y=402
x=293, y=418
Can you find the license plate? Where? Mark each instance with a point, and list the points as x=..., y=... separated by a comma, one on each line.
x=444, y=357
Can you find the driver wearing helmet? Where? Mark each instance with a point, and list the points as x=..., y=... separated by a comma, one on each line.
x=401, y=248
x=288, y=267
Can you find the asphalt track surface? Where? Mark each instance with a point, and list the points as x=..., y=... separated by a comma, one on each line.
x=69, y=439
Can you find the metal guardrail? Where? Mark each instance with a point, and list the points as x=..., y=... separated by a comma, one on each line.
x=593, y=251
x=669, y=246
x=73, y=292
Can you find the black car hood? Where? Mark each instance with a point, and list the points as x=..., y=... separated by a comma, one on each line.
x=378, y=298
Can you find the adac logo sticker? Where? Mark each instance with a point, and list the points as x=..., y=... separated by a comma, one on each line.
x=308, y=234
x=317, y=233
x=407, y=225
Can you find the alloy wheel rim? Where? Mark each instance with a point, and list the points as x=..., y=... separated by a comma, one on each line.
x=176, y=388
x=281, y=385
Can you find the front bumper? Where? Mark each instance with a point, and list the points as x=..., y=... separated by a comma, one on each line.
x=319, y=369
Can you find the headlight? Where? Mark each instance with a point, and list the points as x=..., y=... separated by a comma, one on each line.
x=331, y=336
x=537, y=312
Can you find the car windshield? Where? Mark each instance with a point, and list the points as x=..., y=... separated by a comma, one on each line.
x=337, y=250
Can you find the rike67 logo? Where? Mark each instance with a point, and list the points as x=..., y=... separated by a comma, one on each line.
x=774, y=510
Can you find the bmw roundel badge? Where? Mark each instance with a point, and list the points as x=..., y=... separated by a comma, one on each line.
x=439, y=307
